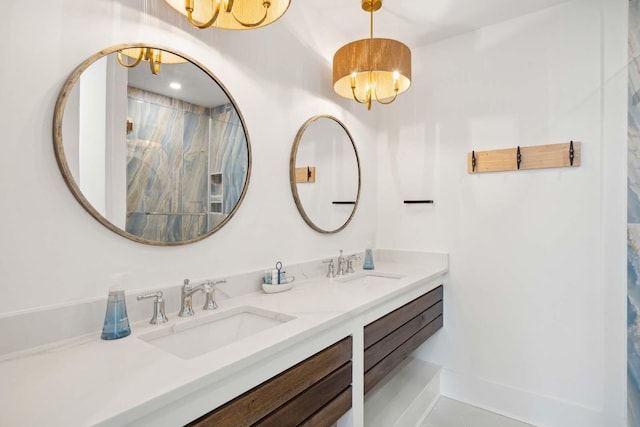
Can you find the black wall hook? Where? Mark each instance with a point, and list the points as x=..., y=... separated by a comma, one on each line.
x=572, y=153
x=473, y=161
x=519, y=157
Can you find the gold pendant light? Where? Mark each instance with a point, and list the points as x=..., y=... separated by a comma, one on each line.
x=155, y=57
x=373, y=68
x=231, y=14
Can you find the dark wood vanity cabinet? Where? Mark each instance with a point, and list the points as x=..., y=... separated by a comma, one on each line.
x=315, y=392
x=390, y=339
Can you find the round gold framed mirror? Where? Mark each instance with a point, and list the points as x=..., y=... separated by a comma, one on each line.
x=324, y=173
x=151, y=144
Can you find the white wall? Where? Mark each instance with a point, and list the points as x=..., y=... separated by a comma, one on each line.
x=535, y=306
x=93, y=145
x=52, y=252
x=535, y=255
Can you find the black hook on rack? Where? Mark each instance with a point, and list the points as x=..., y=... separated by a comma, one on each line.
x=473, y=161
x=308, y=173
x=519, y=157
x=571, y=153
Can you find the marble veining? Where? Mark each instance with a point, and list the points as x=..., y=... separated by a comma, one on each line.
x=229, y=153
x=171, y=151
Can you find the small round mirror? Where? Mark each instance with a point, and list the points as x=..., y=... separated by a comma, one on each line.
x=151, y=145
x=324, y=172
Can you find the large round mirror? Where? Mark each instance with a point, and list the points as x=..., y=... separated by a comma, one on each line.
x=324, y=172
x=151, y=145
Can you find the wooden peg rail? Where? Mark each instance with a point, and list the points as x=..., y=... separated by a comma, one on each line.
x=306, y=174
x=564, y=155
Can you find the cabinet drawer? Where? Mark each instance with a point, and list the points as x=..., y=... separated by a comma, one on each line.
x=311, y=400
x=382, y=327
x=331, y=412
x=390, y=339
x=374, y=375
x=395, y=339
x=272, y=395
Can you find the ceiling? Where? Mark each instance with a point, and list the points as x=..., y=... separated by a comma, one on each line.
x=197, y=86
x=329, y=24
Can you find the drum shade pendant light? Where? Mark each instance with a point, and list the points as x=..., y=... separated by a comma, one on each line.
x=231, y=14
x=155, y=57
x=372, y=68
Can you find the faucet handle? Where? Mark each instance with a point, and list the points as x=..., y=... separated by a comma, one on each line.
x=210, y=295
x=159, y=317
x=349, y=261
x=330, y=272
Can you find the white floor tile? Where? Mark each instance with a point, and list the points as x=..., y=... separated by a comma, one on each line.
x=451, y=413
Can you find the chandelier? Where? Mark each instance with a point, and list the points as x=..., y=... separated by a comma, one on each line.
x=372, y=69
x=155, y=57
x=231, y=14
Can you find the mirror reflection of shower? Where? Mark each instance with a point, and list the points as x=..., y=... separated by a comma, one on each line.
x=181, y=177
x=163, y=158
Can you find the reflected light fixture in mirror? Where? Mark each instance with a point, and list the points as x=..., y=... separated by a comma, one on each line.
x=231, y=14
x=155, y=57
x=372, y=68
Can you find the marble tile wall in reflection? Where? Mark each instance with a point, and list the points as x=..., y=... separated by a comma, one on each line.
x=172, y=149
x=169, y=137
x=229, y=153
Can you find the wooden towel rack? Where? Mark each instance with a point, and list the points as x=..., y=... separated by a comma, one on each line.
x=306, y=174
x=565, y=155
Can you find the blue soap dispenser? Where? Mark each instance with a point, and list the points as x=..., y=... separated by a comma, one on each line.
x=116, y=321
x=368, y=255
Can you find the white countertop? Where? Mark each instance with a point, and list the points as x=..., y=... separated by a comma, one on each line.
x=88, y=381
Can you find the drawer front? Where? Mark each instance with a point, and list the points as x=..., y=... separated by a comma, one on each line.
x=395, y=339
x=312, y=400
x=374, y=375
x=331, y=412
x=382, y=327
x=390, y=339
x=264, y=399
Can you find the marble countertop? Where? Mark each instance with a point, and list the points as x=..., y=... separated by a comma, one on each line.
x=88, y=381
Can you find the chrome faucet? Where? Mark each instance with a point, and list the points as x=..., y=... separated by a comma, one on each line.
x=187, y=291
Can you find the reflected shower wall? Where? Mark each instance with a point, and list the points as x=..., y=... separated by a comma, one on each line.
x=170, y=153
x=228, y=154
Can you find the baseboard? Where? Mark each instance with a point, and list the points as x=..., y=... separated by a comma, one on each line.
x=522, y=405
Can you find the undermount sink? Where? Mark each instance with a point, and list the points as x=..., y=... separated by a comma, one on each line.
x=370, y=277
x=201, y=335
